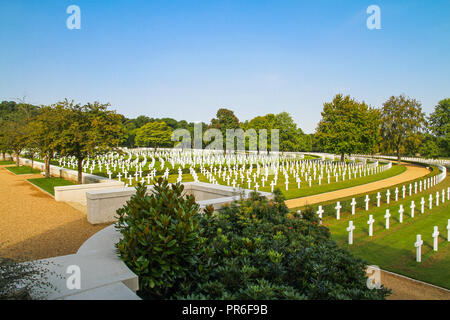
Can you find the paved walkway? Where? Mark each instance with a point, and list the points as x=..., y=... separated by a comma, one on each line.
x=33, y=225
x=412, y=172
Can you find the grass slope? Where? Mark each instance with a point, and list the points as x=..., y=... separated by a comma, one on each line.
x=48, y=184
x=328, y=206
x=6, y=162
x=22, y=170
x=394, y=249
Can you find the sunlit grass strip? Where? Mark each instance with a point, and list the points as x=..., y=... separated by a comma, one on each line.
x=49, y=184
x=22, y=170
x=6, y=162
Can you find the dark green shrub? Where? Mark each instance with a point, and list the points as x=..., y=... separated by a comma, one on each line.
x=252, y=249
x=258, y=250
x=161, y=238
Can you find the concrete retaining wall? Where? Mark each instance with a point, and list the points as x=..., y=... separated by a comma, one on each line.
x=77, y=193
x=102, y=205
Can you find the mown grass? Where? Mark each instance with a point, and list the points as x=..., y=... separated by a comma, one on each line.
x=393, y=249
x=315, y=188
x=22, y=170
x=328, y=206
x=49, y=184
x=6, y=162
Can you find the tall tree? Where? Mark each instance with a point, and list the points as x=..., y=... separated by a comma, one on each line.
x=225, y=119
x=44, y=132
x=15, y=137
x=347, y=127
x=154, y=134
x=402, y=122
x=439, y=124
x=87, y=130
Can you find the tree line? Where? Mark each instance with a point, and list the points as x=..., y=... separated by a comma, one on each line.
x=65, y=128
x=347, y=127
x=399, y=127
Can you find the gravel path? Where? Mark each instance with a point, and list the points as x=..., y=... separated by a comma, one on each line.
x=408, y=289
x=33, y=225
x=412, y=172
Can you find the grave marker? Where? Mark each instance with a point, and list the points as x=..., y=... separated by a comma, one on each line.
x=435, y=236
x=418, y=244
x=350, y=229
x=370, y=223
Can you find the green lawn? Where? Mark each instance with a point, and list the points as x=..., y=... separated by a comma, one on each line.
x=393, y=249
x=48, y=184
x=6, y=162
x=328, y=206
x=305, y=190
x=22, y=170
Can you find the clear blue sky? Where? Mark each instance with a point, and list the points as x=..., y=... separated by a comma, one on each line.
x=185, y=59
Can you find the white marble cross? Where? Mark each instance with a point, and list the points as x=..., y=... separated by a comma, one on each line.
x=353, y=204
x=437, y=198
x=396, y=194
x=448, y=230
x=388, y=195
x=370, y=223
x=256, y=186
x=387, y=216
x=367, y=202
x=422, y=205
x=403, y=191
x=338, y=210
x=430, y=201
x=435, y=236
x=350, y=229
x=400, y=211
x=119, y=176
x=443, y=196
x=410, y=190
x=412, y=206
x=378, y=199
x=319, y=213
x=418, y=244
x=272, y=185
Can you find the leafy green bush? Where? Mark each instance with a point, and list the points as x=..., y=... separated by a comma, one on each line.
x=252, y=249
x=161, y=237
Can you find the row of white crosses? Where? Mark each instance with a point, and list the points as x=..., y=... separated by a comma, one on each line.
x=419, y=242
x=378, y=197
x=291, y=168
x=435, y=235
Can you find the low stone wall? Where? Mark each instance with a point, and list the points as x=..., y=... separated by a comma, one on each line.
x=59, y=172
x=77, y=193
x=102, y=205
